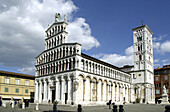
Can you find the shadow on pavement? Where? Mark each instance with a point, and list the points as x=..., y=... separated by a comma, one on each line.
x=59, y=111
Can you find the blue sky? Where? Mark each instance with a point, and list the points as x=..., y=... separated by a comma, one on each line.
x=104, y=28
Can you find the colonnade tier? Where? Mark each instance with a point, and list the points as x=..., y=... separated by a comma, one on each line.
x=63, y=51
x=90, y=89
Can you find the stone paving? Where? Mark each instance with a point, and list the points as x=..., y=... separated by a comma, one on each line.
x=47, y=108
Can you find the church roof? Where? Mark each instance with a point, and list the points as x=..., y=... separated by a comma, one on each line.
x=101, y=62
x=16, y=74
x=142, y=27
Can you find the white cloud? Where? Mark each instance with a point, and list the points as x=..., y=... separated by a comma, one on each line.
x=162, y=47
x=22, y=27
x=117, y=59
x=164, y=61
x=129, y=51
x=156, y=60
x=160, y=37
x=80, y=32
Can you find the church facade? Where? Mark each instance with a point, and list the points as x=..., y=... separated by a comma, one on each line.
x=65, y=74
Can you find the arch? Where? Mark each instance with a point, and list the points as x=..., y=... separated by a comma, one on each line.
x=82, y=75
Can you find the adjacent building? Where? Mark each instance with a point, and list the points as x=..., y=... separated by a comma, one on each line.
x=162, y=77
x=65, y=74
x=16, y=86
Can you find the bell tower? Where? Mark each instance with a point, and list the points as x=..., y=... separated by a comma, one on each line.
x=143, y=76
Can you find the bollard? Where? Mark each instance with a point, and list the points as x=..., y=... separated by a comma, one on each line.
x=79, y=109
x=121, y=108
x=12, y=104
x=167, y=108
x=23, y=105
x=4, y=104
x=114, y=108
x=36, y=107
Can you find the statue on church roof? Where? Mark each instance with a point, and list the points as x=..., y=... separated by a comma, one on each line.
x=57, y=17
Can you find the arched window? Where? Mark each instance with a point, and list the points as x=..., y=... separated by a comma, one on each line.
x=140, y=57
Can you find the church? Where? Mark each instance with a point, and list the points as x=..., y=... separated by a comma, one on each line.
x=65, y=74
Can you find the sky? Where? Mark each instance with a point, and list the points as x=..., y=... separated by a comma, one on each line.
x=104, y=28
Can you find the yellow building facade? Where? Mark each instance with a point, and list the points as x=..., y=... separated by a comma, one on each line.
x=16, y=86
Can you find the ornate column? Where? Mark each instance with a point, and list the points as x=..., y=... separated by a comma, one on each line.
x=40, y=92
x=58, y=67
x=55, y=67
x=99, y=91
x=146, y=94
x=113, y=92
x=49, y=91
x=36, y=91
x=57, y=89
x=71, y=63
x=69, y=89
x=64, y=65
x=107, y=92
x=84, y=88
x=102, y=91
x=75, y=63
x=127, y=95
x=62, y=90
x=67, y=64
x=61, y=52
x=45, y=92
x=61, y=66
x=91, y=86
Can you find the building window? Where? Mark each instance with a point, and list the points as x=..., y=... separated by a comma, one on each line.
x=157, y=92
x=27, y=83
x=6, y=89
x=140, y=57
x=165, y=78
x=17, y=81
x=165, y=71
x=26, y=91
x=156, y=78
x=16, y=90
x=134, y=76
x=6, y=80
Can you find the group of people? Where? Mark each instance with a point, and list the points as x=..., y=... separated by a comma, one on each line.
x=20, y=103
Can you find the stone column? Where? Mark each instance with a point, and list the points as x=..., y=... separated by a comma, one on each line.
x=107, y=91
x=146, y=94
x=40, y=92
x=113, y=93
x=117, y=92
x=45, y=92
x=84, y=88
x=71, y=63
x=36, y=92
x=76, y=63
x=67, y=64
x=127, y=95
x=49, y=91
x=99, y=91
x=69, y=90
x=91, y=86
x=57, y=89
x=62, y=90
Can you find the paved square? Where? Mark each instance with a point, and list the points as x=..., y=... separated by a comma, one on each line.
x=128, y=108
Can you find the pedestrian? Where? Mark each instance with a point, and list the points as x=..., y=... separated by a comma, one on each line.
x=55, y=106
x=0, y=102
x=110, y=102
x=49, y=101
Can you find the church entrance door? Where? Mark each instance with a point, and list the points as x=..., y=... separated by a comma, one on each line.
x=53, y=95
